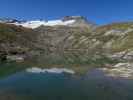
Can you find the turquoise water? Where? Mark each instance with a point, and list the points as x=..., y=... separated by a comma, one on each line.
x=49, y=86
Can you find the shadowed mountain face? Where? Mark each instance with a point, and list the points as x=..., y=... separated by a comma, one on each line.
x=15, y=38
x=77, y=42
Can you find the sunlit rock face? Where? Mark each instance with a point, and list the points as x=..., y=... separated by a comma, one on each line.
x=124, y=70
x=80, y=21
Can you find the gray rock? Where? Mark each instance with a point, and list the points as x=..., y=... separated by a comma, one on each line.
x=17, y=58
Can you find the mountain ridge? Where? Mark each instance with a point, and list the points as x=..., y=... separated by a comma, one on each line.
x=72, y=21
x=99, y=46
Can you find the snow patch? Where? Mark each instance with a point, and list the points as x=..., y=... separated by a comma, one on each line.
x=52, y=70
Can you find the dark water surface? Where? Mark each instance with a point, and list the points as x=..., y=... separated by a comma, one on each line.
x=45, y=86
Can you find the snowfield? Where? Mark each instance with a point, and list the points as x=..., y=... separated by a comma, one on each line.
x=37, y=23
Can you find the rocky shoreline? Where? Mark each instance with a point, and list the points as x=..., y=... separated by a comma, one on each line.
x=123, y=70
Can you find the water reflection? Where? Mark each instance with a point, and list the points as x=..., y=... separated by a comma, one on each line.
x=49, y=86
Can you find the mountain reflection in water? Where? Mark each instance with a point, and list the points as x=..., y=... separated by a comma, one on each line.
x=52, y=86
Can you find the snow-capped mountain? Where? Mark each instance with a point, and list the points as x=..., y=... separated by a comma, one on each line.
x=106, y=45
x=72, y=21
x=37, y=23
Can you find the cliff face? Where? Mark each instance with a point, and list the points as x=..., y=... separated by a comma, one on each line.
x=81, y=42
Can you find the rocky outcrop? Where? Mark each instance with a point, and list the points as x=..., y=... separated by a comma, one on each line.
x=124, y=70
x=80, y=21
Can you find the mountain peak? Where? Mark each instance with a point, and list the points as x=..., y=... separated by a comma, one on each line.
x=66, y=18
x=71, y=21
x=8, y=20
x=80, y=21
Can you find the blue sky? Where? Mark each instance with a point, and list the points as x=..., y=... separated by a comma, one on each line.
x=99, y=11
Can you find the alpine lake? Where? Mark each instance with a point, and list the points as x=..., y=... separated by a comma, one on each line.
x=19, y=82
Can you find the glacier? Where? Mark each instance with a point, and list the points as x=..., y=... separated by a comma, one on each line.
x=37, y=23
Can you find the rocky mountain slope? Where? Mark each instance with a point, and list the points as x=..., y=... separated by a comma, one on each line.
x=71, y=40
